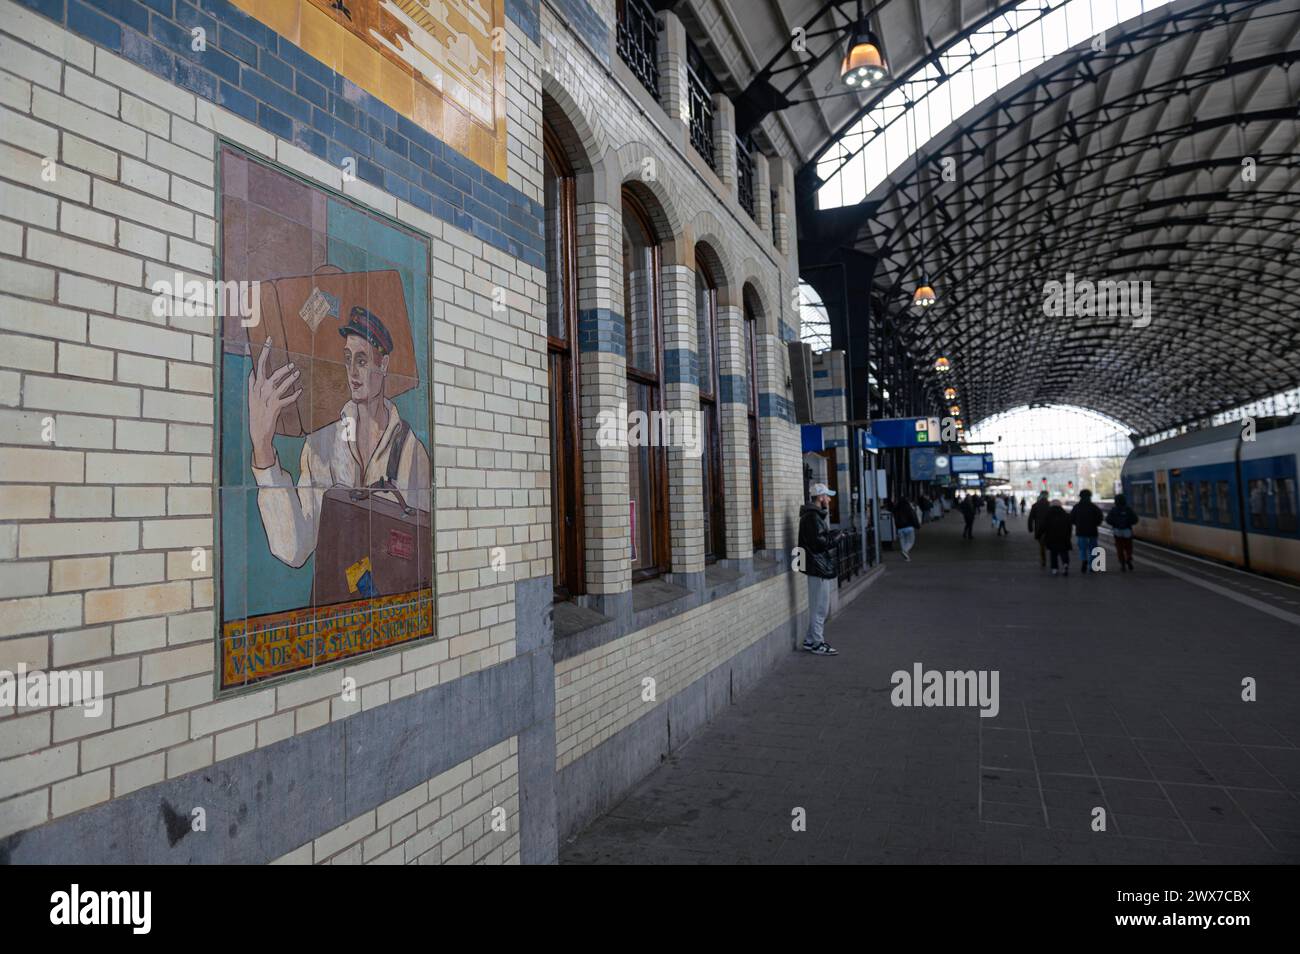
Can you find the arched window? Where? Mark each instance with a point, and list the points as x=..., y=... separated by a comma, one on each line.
x=562, y=364
x=755, y=457
x=647, y=462
x=706, y=337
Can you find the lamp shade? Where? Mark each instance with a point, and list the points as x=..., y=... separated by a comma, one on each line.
x=924, y=296
x=864, y=64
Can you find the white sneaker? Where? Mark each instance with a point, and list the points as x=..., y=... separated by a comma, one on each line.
x=905, y=556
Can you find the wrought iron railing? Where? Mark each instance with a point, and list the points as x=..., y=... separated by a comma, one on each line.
x=745, y=176
x=701, y=106
x=638, y=41
x=848, y=555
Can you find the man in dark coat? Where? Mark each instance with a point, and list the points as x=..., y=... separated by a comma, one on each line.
x=1037, y=514
x=1122, y=519
x=1087, y=518
x=1056, y=535
x=967, y=508
x=817, y=544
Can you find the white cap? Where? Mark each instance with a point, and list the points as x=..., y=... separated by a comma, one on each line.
x=821, y=490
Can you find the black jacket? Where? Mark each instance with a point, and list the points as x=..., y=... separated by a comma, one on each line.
x=1037, y=516
x=817, y=540
x=904, y=515
x=1086, y=517
x=1056, y=529
x=1122, y=518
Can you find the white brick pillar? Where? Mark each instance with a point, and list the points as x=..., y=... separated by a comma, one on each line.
x=762, y=194
x=724, y=140
x=733, y=425
x=674, y=86
x=681, y=397
x=781, y=177
x=602, y=368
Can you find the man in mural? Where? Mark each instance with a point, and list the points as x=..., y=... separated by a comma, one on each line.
x=368, y=446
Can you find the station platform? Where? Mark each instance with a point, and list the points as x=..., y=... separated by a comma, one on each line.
x=1117, y=691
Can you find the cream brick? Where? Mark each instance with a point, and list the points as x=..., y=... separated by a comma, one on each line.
x=181, y=161
x=312, y=717
x=144, y=177
x=86, y=89
x=24, y=579
x=24, y=166
x=144, y=115
x=176, y=663
x=189, y=757
x=27, y=62
x=135, y=369
x=189, y=377
x=86, y=224
x=11, y=236
x=82, y=362
x=89, y=573
x=139, y=207
x=37, y=769
x=39, y=614
x=274, y=729
x=130, y=569
x=170, y=406
x=220, y=716
x=56, y=467
x=80, y=257
x=22, y=278
x=137, y=601
x=340, y=838
x=27, y=811
x=141, y=240
x=189, y=439
x=58, y=394
x=80, y=792
x=135, y=775
x=133, y=336
x=144, y=84
x=30, y=651
x=28, y=133
x=86, y=155
x=70, y=538
x=75, y=431
x=236, y=742
x=226, y=123
x=15, y=92
x=299, y=856
x=123, y=745
x=22, y=734
x=171, y=534
x=88, y=122
x=139, y=636
x=141, y=436
x=48, y=37
x=182, y=501
x=24, y=503
x=82, y=292
x=28, y=206
x=140, y=501
x=77, y=722
x=188, y=693
x=137, y=469
x=194, y=197
x=83, y=502
x=132, y=707
x=82, y=645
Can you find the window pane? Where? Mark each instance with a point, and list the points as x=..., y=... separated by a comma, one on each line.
x=1225, y=510
x=1286, y=504
x=710, y=472
x=641, y=484
x=556, y=288
x=638, y=293
x=704, y=332
x=1259, y=504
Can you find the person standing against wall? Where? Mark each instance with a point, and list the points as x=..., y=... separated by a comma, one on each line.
x=1086, y=517
x=818, y=542
x=1122, y=519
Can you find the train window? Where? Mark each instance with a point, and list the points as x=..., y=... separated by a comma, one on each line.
x=1286, y=504
x=1259, y=504
x=1224, y=509
x=1207, y=505
x=1162, y=499
x=1183, y=505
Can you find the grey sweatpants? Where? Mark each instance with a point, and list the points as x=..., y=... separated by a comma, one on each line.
x=819, y=604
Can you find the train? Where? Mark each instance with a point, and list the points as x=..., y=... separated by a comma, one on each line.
x=1224, y=492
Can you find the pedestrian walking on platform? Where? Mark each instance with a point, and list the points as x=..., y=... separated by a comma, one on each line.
x=1122, y=519
x=818, y=542
x=1087, y=518
x=1056, y=534
x=905, y=523
x=1037, y=526
x=967, y=508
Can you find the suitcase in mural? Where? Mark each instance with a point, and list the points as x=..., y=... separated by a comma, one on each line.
x=302, y=317
x=370, y=544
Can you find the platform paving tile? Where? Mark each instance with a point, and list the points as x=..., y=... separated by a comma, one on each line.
x=1118, y=692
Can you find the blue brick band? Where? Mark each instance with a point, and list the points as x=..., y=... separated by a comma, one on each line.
x=600, y=329
x=681, y=366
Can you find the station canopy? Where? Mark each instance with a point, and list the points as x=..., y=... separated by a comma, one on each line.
x=1133, y=148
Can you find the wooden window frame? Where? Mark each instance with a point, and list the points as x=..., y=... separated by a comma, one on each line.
x=714, y=496
x=567, y=524
x=755, y=432
x=660, y=540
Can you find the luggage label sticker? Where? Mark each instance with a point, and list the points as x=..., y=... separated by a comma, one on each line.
x=360, y=578
x=317, y=307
